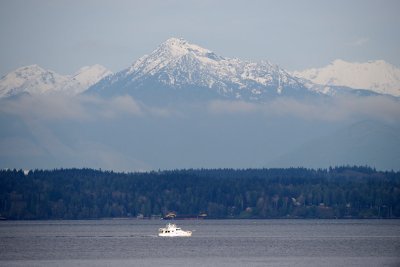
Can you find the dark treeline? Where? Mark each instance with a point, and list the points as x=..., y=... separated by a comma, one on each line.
x=342, y=192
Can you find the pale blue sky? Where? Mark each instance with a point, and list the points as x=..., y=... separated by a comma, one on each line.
x=65, y=35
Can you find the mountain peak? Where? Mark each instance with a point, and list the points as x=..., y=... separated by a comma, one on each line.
x=33, y=79
x=30, y=69
x=339, y=62
x=89, y=75
x=178, y=64
x=378, y=76
x=173, y=41
x=177, y=47
x=169, y=53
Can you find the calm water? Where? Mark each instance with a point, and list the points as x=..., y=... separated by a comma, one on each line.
x=214, y=243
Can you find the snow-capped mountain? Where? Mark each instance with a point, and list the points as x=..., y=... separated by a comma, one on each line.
x=178, y=69
x=181, y=68
x=89, y=75
x=36, y=80
x=377, y=76
x=31, y=79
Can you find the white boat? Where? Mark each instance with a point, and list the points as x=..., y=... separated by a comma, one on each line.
x=171, y=230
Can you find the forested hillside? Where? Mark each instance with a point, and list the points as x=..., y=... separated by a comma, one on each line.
x=342, y=192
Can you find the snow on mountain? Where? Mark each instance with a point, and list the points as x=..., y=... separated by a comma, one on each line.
x=31, y=79
x=378, y=76
x=177, y=64
x=178, y=68
x=89, y=75
x=36, y=80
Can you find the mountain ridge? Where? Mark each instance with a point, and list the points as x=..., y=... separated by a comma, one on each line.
x=179, y=69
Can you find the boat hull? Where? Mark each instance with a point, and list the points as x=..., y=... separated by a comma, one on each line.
x=184, y=234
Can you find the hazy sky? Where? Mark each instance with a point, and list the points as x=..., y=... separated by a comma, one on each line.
x=66, y=35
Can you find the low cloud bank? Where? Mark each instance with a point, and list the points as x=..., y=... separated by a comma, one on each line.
x=83, y=108
x=123, y=133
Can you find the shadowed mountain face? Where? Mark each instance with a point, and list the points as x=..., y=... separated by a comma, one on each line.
x=363, y=143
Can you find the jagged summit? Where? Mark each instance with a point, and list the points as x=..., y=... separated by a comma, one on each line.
x=34, y=68
x=170, y=51
x=178, y=64
x=180, y=47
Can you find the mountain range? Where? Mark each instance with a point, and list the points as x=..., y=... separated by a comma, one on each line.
x=152, y=114
x=35, y=80
x=179, y=69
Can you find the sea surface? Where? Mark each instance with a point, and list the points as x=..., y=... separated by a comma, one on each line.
x=214, y=243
